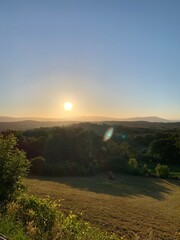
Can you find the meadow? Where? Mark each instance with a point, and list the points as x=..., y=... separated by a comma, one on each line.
x=127, y=206
x=74, y=164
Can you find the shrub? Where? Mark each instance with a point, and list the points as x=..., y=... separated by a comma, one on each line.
x=36, y=215
x=41, y=220
x=37, y=165
x=162, y=171
x=13, y=166
x=144, y=170
x=74, y=229
x=133, y=165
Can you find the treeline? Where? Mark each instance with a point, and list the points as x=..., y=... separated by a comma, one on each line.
x=79, y=150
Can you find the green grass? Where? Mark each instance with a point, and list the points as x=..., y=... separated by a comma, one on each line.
x=125, y=206
x=12, y=230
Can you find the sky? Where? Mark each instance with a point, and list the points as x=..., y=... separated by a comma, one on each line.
x=114, y=58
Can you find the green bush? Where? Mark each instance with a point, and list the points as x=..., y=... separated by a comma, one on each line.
x=162, y=171
x=31, y=209
x=40, y=219
x=13, y=166
x=74, y=229
x=133, y=166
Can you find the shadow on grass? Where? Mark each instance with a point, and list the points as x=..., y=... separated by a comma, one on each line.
x=123, y=185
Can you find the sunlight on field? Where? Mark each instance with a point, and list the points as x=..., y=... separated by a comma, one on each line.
x=128, y=204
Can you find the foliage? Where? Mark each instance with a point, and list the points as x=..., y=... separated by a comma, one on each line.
x=33, y=145
x=37, y=165
x=133, y=165
x=13, y=166
x=40, y=219
x=165, y=150
x=144, y=170
x=79, y=150
x=162, y=171
x=33, y=212
x=117, y=164
x=12, y=229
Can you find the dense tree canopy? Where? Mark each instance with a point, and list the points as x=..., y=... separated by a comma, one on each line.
x=165, y=150
x=80, y=149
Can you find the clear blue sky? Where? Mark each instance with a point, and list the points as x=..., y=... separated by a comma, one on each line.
x=116, y=58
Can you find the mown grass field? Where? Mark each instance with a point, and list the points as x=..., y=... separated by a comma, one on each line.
x=125, y=206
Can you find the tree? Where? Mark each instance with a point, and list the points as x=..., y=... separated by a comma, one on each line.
x=13, y=166
x=164, y=150
x=126, y=151
x=89, y=150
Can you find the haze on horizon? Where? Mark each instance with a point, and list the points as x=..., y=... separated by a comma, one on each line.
x=109, y=58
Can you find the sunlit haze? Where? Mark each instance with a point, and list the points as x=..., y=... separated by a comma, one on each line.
x=68, y=106
x=115, y=58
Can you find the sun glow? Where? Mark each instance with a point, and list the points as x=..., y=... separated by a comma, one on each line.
x=68, y=106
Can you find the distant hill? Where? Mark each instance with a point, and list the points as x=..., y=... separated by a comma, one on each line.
x=25, y=125
x=83, y=119
x=18, y=119
x=102, y=119
x=148, y=119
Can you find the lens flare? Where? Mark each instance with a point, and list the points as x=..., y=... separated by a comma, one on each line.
x=123, y=136
x=108, y=134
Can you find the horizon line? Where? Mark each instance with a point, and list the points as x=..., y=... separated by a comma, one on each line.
x=89, y=116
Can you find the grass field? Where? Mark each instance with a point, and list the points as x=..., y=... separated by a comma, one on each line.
x=124, y=206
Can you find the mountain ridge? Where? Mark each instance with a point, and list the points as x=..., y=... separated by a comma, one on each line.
x=85, y=119
x=142, y=123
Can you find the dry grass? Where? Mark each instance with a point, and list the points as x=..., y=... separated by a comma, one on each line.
x=126, y=206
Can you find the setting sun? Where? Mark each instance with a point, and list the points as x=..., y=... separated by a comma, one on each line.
x=68, y=106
